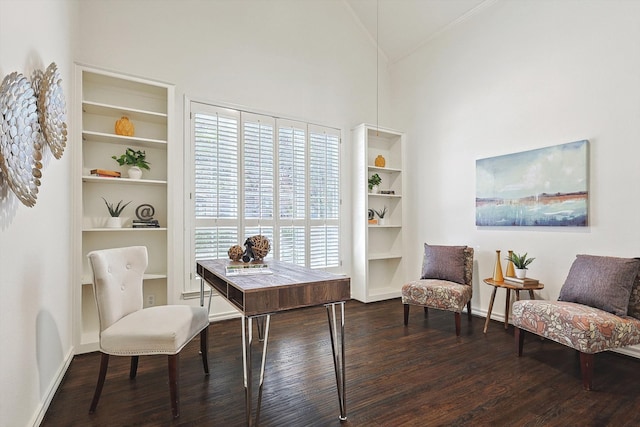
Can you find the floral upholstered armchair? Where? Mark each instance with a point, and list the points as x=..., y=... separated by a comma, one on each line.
x=598, y=309
x=445, y=283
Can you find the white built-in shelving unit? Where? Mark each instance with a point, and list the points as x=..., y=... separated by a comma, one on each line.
x=102, y=98
x=378, y=262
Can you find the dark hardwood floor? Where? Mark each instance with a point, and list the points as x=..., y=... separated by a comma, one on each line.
x=420, y=375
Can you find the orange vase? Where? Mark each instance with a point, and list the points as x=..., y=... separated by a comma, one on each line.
x=511, y=270
x=497, y=270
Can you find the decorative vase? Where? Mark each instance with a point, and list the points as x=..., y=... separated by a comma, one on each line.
x=497, y=270
x=382, y=221
x=375, y=189
x=380, y=161
x=114, y=222
x=135, y=172
x=124, y=127
x=510, y=267
x=521, y=273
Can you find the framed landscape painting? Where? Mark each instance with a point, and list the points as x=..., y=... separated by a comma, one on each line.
x=543, y=187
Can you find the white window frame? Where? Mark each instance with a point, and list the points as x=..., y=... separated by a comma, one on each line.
x=192, y=285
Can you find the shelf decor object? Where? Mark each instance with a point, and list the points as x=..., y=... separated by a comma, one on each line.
x=380, y=161
x=124, y=127
x=52, y=110
x=136, y=160
x=20, y=138
x=497, y=269
x=511, y=272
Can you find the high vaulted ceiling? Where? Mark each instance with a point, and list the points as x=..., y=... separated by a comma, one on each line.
x=402, y=26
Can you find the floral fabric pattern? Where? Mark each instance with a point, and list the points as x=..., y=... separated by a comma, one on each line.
x=436, y=293
x=584, y=328
x=442, y=294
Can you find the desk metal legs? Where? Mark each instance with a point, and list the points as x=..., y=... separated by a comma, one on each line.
x=247, y=341
x=337, y=347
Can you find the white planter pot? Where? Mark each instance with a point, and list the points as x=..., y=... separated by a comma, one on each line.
x=135, y=172
x=114, y=222
x=521, y=273
x=382, y=221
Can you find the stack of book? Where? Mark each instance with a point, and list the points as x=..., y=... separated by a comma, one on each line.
x=527, y=281
x=146, y=223
x=242, y=268
x=105, y=173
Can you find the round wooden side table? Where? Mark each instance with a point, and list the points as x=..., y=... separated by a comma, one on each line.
x=507, y=306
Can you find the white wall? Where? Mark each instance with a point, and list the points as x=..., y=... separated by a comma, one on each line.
x=308, y=60
x=519, y=76
x=35, y=265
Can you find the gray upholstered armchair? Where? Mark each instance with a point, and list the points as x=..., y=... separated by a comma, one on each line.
x=598, y=309
x=445, y=283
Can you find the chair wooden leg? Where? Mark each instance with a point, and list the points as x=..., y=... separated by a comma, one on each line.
x=469, y=310
x=173, y=384
x=133, y=370
x=457, y=324
x=519, y=339
x=104, y=364
x=426, y=312
x=406, y=314
x=203, y=349
x=586, y=367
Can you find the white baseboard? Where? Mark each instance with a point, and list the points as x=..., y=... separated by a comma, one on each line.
x=38, y=416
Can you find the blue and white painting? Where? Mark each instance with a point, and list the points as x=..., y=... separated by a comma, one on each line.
x=543, y=187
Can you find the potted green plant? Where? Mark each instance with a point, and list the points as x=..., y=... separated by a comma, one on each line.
x=374, y=182
x=381, y=214
x=520, y=262
x=136, y=160
x=114, y=221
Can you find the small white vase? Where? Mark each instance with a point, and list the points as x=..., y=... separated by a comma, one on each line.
x=135, y=172
x=375, y=189
x=521, y=273
x=114, y=222
x=382, y=221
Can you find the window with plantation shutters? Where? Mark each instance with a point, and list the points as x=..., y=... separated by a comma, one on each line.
x=257, y=174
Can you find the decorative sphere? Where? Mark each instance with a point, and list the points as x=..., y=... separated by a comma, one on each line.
x=235, y=252
x=260, y=246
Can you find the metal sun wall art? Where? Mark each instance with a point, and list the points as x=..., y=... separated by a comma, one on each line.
x=32, y=113
x=543, y=187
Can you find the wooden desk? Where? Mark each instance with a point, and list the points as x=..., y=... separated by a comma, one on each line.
x=259, y=296
x=507, y=306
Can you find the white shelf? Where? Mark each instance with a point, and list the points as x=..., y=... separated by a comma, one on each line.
x=133, y=114
x=389, y=196
x=378, y=274
x=86, y=280
x=105, y=97
x=376, y=169
x=118, y=230
x=119, y=181
x=382, y=256
x=88, y=135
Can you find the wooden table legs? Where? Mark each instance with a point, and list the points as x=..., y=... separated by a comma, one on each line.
x=507, y=306
x=493, y=297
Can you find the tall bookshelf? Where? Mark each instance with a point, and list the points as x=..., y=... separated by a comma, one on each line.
x=378, y=261
x=104, y=97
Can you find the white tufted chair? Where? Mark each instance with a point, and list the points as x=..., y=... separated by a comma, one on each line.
x=126, y=329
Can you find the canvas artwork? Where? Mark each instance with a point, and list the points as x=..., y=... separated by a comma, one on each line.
x=543, y=187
